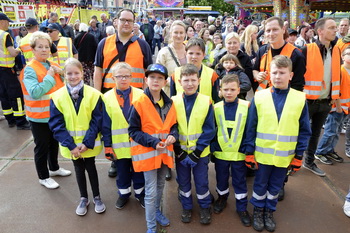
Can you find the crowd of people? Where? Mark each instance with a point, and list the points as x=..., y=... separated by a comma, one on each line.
x=82, y=88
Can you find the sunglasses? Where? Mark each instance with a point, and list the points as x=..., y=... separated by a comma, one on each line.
x=50, y=31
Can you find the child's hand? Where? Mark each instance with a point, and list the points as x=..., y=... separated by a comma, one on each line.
x=51, y=71
x=82, y=148
x=170, y=140
x=75, y=152
x=160, y=146
x=57, y=70
x=261, y=76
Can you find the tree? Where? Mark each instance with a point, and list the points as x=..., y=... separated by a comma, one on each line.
x=217, y=5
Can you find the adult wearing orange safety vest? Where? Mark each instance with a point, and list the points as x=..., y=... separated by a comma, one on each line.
x=274, y=33
x=322, y=85
x=39, y=79
x=123, y=46
x=11, y=96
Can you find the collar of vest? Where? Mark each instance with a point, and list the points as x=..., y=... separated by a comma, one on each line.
x=132, y=39
x=166, y=99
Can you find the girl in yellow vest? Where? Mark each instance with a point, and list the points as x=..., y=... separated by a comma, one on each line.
x=75, y=120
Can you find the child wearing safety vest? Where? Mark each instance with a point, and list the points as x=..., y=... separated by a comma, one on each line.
x=277, y=134
x=230, y=115
x=116, y=137
x=153, y=130
x=339, y=111
x=75, y=120
x=195, y=117
x=209, y=86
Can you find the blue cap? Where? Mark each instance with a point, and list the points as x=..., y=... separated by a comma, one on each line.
x=157, y=68
x=31, y=22
x=53, y=26
x=4, y=17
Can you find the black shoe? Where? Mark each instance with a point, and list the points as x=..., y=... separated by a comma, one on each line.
x=270, y=224
x=281, y=194
x=25, y=126
x=258, y=219
x=168, y=174
x=186, y=216
x=334, y=156
x=11, y=125
x=245, y=218
x=220, y=204
x=112, y=172
x=205, y=216
x=141, y=200
x=121, y=202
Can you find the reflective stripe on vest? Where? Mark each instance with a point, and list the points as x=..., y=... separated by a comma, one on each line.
x=189, y=132
x=64, y=50
x=6, y=60
x=276, y=140
x=39, y=108
x=315, y=72
x=78, y=124
x=25, y=47
x=266, y=60
x=119, y=128
x=134, y=57
x=205, y=86
x=344, y=90
x=230, y=145
x=146, y=158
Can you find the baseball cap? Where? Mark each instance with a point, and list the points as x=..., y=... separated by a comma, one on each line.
x=157, y=68
x=292, y=31
x=31, y=22
x=62, y=17
x=53, y=26
x=4, y=17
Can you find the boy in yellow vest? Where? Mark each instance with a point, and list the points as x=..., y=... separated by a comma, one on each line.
x=231, y=115
x=277, y=134
x=116, y=137
x=195, y=117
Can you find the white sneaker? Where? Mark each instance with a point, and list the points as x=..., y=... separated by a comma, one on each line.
x=49, y=183
x=346, y=208
x=60, y=172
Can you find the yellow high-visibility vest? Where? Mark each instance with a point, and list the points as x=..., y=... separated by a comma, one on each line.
x=6, y=60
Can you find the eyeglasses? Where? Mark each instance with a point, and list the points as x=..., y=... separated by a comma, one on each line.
x=123, y=21
x=50, y=31
x=122, y=77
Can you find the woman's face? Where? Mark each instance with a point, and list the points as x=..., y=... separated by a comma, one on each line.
x=217, y=40
x=41, y=50
x=206, y=35
x=178, y=34
x=254, y=35
x=24, y=31
x=232, y=46
x=190, y=32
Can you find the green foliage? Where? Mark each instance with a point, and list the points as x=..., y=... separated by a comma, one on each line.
x=217, y=5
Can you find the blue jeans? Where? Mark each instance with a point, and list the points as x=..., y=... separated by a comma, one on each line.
x=348, y=196
x=331, y=133
x=154, y=185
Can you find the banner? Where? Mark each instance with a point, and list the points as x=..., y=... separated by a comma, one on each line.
x=18, y=12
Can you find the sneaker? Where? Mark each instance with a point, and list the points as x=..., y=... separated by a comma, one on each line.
x=245, y=218
x=99, y=205
x=49, y=183
x=334, y=156
x=186, y=216
x=121, y=202
x=205, y=216
x=346, y=208
x=347, y=152
x=150, y=231
x=141, y=201
x=313, y=168
x=60, y=172
x=26, y=126
x=323, y=159
x=220, y=204
x=82, y=207
x=161, y=219
x=2, y=118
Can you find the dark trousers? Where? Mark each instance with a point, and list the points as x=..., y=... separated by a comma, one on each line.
x=158, y=43
x=11, y=97
x=150, y=41
x=88, y=164
x=45, y=150
x=318, y=112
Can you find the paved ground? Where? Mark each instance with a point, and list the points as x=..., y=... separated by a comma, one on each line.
x=312, y=203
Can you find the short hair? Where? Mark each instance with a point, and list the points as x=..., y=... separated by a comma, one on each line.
x=137, y=25
x=230, y=78
x=189, y=69
x=195, y=42
x=345, y=19
x=119, y=66
x=321, y=22
x=53, y=14
x=232, y=35
x=94, y=17
x=37, y=36
x=231, y=57
x=83, y=27
x=217, y=34
x=110, y=30
x=73, y=62
x=282, y=61
x=347, y=48
x=279, y=20
x=92, y=20
x=125, y=9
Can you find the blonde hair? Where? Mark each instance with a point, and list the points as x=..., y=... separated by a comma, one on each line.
x=232, y=35
x=37, y=36
x=282, y=61
x=121, y=65
x=73, y=62
x=177, y=23
x=249, y=44
x=231, y=57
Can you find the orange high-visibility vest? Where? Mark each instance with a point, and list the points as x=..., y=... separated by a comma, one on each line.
x=342, y=46
x=39, y=108
x=345, y=91
x=134, y=57
x=265, y=64
x=314, y=72
x=147, y=158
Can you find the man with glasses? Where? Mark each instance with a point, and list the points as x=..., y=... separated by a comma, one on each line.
x=121, y=47
x=52, y=20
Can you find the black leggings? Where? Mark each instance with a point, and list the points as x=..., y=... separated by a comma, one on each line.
x=88, y=164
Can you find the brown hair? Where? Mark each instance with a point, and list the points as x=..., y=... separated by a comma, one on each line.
x=282, y=61
x=230, y=78
x=196, y=42
x=189, y=69
x=231, y=57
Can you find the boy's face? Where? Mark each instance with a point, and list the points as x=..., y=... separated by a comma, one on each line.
x=230, y=91
x=122, y=79
x=195, y=56
x=189, y=83
x=228, y=65
x=280, y=77
x=155, y=82
x=346, y=57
